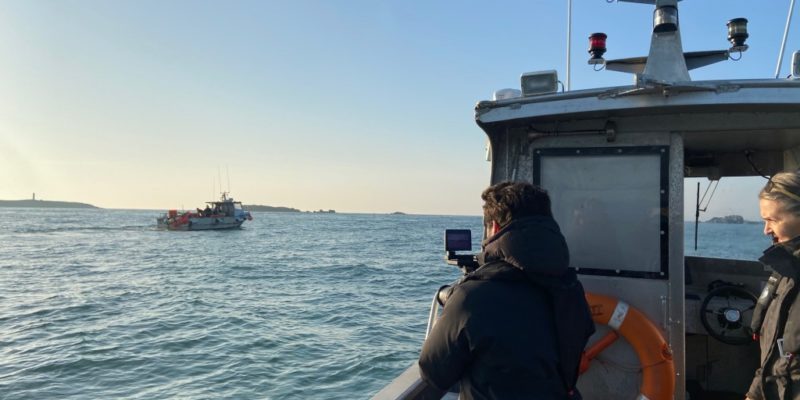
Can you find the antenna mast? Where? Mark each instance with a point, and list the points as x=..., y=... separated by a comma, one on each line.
x=783, y=42
x=219, y=176
x=569, y=39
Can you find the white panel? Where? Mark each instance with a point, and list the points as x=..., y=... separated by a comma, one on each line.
x=609, y=209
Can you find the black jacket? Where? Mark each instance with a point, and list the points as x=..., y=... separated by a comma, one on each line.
x=778, y=317
x=498, y=336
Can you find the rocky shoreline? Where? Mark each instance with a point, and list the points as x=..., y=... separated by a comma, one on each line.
x=44, y=204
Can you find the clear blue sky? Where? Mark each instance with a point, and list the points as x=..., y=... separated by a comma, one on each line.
x=358, y=106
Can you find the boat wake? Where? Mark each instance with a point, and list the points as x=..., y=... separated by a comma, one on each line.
x=129, y=228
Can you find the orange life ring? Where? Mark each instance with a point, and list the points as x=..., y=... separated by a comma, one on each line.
x=655, y=356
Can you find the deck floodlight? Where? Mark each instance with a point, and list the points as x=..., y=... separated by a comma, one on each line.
x=737, y=34
x=597, y=47
x=542, y=82
x=504, y=94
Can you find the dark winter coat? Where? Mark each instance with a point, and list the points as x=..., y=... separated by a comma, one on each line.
x=498, y=336
x=779, y=375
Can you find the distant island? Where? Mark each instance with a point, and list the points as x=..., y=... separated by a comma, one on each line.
x=257, y=207
x=31, y=203
x=398, y=213
x=729, y=219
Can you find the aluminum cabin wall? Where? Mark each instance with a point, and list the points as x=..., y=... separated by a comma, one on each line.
x=661, y=300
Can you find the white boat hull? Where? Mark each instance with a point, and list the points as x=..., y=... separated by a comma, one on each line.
x=202, y=224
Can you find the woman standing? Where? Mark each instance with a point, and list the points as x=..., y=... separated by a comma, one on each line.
x=776, y=319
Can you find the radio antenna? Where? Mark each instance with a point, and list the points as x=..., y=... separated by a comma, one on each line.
x=699, y=209
x=696, y=215
x=783, y=42
x=569, y=40
x=219, y=176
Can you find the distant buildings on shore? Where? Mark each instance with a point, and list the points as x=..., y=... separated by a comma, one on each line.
x=730, y=219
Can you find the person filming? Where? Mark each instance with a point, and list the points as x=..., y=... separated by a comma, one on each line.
x=498, y=336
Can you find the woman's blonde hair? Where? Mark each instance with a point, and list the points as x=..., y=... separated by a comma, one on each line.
x=784, y=187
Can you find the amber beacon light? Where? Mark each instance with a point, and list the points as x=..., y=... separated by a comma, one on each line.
x=737, y=34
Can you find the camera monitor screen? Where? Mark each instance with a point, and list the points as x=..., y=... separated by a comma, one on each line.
x=457, y=240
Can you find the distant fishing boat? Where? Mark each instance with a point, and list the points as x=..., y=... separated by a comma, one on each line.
x=223, y=214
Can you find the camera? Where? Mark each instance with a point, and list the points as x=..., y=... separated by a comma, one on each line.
x=459, y=240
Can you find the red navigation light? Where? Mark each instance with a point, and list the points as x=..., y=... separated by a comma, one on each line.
x=597, y=47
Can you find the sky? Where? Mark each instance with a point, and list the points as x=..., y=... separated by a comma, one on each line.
x=353, y=105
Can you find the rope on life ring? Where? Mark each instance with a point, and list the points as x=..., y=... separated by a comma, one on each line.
x=655, y=355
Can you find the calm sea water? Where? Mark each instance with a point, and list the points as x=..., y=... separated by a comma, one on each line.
x=99, y=304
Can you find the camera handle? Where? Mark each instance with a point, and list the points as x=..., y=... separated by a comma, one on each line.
x=465, y=262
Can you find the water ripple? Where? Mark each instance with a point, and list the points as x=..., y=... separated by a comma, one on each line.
x=99, y=304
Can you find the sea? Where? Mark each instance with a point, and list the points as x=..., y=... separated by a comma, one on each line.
x=99, y=304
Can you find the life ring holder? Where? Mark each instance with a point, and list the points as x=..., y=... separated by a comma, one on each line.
x=655, y=356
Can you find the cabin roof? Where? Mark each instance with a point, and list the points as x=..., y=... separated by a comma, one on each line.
x=717, y=119
x=629, y=100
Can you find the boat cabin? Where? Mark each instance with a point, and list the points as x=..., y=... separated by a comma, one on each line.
x=615, y=161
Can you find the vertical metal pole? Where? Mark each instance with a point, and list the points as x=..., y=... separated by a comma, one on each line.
x=569, y=40
x=433, y=314
x=696, y=215
x=783, y=42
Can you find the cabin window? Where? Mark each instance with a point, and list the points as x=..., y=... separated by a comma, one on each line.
x=611, y=205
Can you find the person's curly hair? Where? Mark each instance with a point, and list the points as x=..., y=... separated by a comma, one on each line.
x=507, y=201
